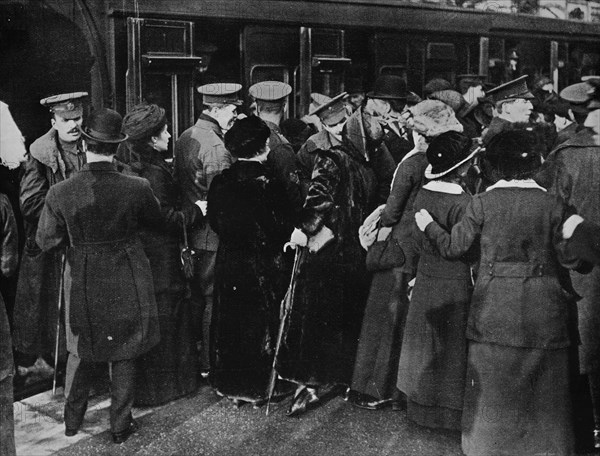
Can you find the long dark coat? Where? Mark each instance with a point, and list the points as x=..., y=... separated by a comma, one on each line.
x=572, y=171
x=433, y=362
x=250, y=211
x=168, y=370
x=521, y=322
x=332, y=284
x=110, y=310
x=36, y=303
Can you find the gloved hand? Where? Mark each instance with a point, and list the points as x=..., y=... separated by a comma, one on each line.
x=203, y=205
x=570, y=224
x=423, y=218
x=297, y=239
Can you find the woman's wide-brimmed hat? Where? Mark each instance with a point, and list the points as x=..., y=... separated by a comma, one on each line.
x=104, y=126
x=143, y=120
x=431, y=118
x=447, y=152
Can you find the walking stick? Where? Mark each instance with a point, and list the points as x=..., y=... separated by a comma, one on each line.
x=286, y=309
x=60, y=298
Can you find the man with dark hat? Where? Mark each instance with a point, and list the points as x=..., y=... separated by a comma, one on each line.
x=200, y=155
x=435, y=85
x=571, y=172
x=512, y=103
x=386, y=102
x=271, y=100
x=471, y=86
x=53, y=157
x=110, y=311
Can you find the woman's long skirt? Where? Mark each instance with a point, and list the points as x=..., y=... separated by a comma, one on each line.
x=378, y=354
x=517, y=402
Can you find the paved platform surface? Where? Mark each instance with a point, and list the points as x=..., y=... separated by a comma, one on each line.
x=205, y=424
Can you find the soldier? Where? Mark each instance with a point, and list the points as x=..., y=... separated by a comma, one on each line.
x=333, y=116
x=53, y=157
x=271, y=100
x=512, y=103
x=571, y=173
x=110, y=311
x=386, y=102
x=200, y=155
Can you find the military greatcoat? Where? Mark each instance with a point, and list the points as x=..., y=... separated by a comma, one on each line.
x=36, y=305
x=110, y=310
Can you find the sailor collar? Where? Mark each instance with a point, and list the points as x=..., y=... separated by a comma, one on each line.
x=525, y=183
x=451, y=188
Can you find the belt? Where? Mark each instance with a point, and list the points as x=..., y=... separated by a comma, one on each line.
x=106, y=246
x=517, y=269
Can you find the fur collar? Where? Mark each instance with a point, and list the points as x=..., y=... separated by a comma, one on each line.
x=45, y=150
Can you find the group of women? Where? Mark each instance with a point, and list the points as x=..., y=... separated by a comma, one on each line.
x=489, y=356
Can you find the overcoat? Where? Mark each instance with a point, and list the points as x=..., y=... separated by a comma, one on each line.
x=248, y=208
x=110, y=310
x=168, y=370
x=399, y=212
x=433, y=361
x=281, y=163
x=332, y=284
x=200, y=155
x=36, y=302
x=572, y=171
x=521, y=321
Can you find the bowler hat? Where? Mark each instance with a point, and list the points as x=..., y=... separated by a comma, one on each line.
x=104, y=126
x=447, y=152
x=389, y=87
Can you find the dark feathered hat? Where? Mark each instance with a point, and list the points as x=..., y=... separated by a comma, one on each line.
x=143, y=120
x=515, y=153
x=247, y=137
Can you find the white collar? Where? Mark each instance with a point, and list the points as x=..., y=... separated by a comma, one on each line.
x=410, y=154
x=444, y=187
x=525, y=183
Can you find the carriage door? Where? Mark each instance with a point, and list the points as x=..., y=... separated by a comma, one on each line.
x=160, y=68
x=271, y=54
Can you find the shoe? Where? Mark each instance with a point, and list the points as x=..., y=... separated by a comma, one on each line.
x=364, y=401
x=71, y=432
x=303, y=399
x=122, y=436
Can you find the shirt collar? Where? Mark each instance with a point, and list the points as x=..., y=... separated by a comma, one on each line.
x=444, y=187
x=525, y=183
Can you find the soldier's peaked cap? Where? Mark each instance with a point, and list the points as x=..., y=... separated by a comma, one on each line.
x=221, y=92
x=333, y=111
x=273, y=91
x=67, y=105
x=511, y=90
